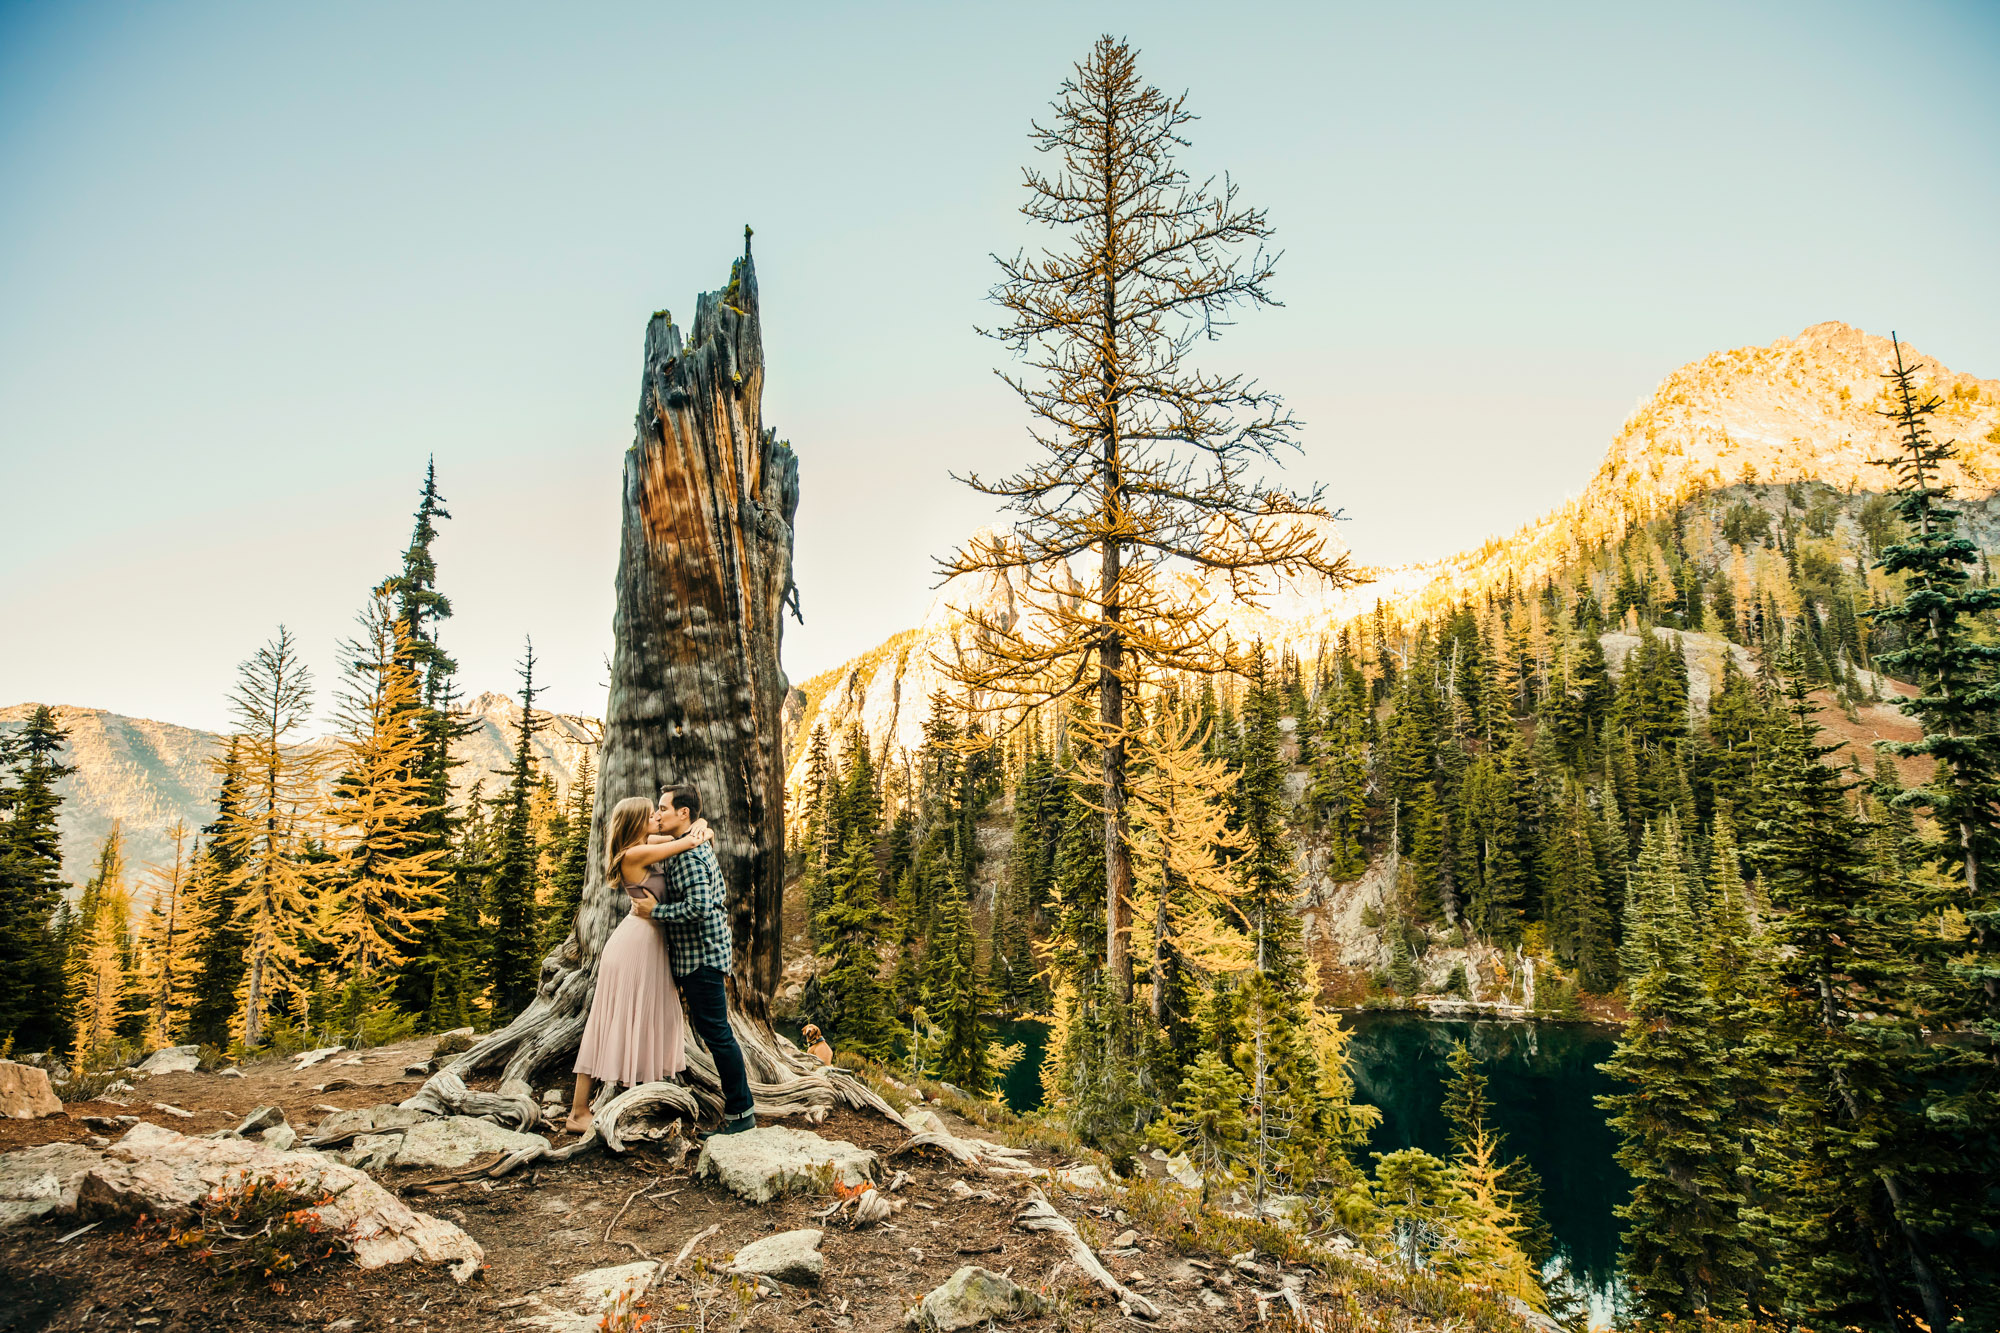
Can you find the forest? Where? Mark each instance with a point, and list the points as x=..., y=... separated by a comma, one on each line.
x=1106, y=820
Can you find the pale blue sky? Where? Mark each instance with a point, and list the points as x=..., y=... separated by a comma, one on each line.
x=257, y=262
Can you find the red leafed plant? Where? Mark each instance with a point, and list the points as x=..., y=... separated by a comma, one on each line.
x=257, y=1230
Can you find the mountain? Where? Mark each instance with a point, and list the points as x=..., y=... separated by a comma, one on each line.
x=1804, y=409
x=144, y=775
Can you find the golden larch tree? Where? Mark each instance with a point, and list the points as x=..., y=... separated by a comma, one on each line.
x=383, y=882
x=266, y=834
x=1148, y=462
x=170, y=935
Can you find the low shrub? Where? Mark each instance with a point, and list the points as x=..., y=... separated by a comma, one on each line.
x=259, y=1231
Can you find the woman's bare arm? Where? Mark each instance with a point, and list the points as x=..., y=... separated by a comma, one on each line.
x=640, y=855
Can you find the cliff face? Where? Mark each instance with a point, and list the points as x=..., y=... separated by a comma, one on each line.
x=1802, y=409
x=144, y=775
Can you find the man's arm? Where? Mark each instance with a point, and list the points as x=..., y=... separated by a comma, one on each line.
x=699, y=874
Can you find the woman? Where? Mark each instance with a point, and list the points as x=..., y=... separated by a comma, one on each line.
x=635, y=1033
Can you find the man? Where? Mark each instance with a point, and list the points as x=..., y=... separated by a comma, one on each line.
x=695, y=922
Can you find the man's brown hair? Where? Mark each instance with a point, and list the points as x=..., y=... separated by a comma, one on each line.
x=682, y=796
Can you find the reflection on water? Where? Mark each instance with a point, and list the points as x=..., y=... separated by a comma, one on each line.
x=1543, y=1082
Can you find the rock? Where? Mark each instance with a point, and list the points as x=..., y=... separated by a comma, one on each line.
x=1125, y=1239
x=589, y=1302
x=419, y=1069
x=371, y=1152
x=1530, y=1316
x=1181, y=1171
x=120, y=1086
x=173, y=1060
x=279, y=1138
x=455, y=1141
x=264, y=1117
x=760, y=1164
x=97, y=1141
x=971, y=1297
x=789, y=1256
x=347, y=1325
x=25, y=1093
x=1082, y=1178
x=173, y=1110
x=307, y=1059
x=452, y=1043
x=156, y=1171
x=337, y=1085
x=231, y=1072
x=339, y=1125
x=38, y=1181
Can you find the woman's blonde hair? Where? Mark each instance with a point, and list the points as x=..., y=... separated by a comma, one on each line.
x=628, y=827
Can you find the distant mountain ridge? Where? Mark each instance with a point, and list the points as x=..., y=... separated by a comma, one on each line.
x=144, y=774
x=1801, y=409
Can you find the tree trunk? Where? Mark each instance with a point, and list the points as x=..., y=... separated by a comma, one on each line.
x=704, y=571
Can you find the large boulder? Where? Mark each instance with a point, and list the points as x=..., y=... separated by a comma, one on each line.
x=789, y=1256
x=25, y=1093
x=972, y=1297
x=173, y=1060
x=760, y=1164
x=37, y=1181
x=163, y=1174
x=456, y=1141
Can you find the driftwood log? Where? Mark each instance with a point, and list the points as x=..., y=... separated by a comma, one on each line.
x=704, y=575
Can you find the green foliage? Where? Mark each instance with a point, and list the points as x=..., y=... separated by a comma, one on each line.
x=33, y=1013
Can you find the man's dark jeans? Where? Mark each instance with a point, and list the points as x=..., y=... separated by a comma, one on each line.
x=705, y=1000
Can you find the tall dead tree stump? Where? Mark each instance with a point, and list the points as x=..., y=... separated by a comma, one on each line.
x=704, y=575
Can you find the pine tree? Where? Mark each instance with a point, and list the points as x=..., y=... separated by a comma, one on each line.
x=510, y=892
x=1144, y=455
x=267, y=834
x=1846, y=1220
x=572, y=855
x=852, y=1004
x=221, y=945
x=1957, y=670
x=384, y=880
x=172, y=927
x=1684, y=1255
x=100, y=950
x=1209, y=1119
x=956, y=994
x=33, y=1009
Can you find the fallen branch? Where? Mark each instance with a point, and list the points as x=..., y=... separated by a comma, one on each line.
x=1040, y=1215
x=694, y=1240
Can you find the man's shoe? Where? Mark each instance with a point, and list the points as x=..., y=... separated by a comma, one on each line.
x=737, y=1124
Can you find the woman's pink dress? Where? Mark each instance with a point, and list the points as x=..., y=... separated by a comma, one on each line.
x=635, y=1033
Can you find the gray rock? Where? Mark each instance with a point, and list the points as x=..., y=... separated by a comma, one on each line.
x=789, y=1256
x=1083, y=1177
x=339, y=1126
x=38, y=1181
x=456, y=1140
x=1181, y=1171
x=970, y=1298
x=173, y=1060
x=760, y=1164
x=371, y=1152
x=280, y=1137
x=25, y=1093
x=231, y=1072
x=264, y=1117
x=418, y=1069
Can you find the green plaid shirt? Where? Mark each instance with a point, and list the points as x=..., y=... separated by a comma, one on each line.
x=693, y=916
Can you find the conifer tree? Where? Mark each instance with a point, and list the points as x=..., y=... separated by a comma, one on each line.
x=100, y=950
x=220, y=946
x=1209, y=1119
x=1146, y=456
x=1684, y=1254
x=956, y=993
x=173, y=925
x=572, y=854
x=384, y=880
x=510, y=891
x=1845, y=1222
x=265, y=835
x=34, y=1014
x=852, y=1004
x=1956, y=669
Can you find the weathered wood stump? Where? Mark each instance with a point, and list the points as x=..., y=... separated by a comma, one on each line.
x=704, y=574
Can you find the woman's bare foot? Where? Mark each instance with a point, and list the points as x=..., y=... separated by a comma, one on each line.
x=578, y=1125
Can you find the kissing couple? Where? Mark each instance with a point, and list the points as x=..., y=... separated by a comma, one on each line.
x=669, y=957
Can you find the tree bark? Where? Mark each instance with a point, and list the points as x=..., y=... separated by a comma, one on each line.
x=704, y=572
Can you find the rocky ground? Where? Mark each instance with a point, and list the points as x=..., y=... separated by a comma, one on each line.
x=593, y=1242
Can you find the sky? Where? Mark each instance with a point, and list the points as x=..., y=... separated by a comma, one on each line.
x=258, y=263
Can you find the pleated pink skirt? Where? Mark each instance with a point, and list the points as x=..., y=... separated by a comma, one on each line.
x=635, y=1033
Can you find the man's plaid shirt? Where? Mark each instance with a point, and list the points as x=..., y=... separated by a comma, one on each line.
x=693, y=916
